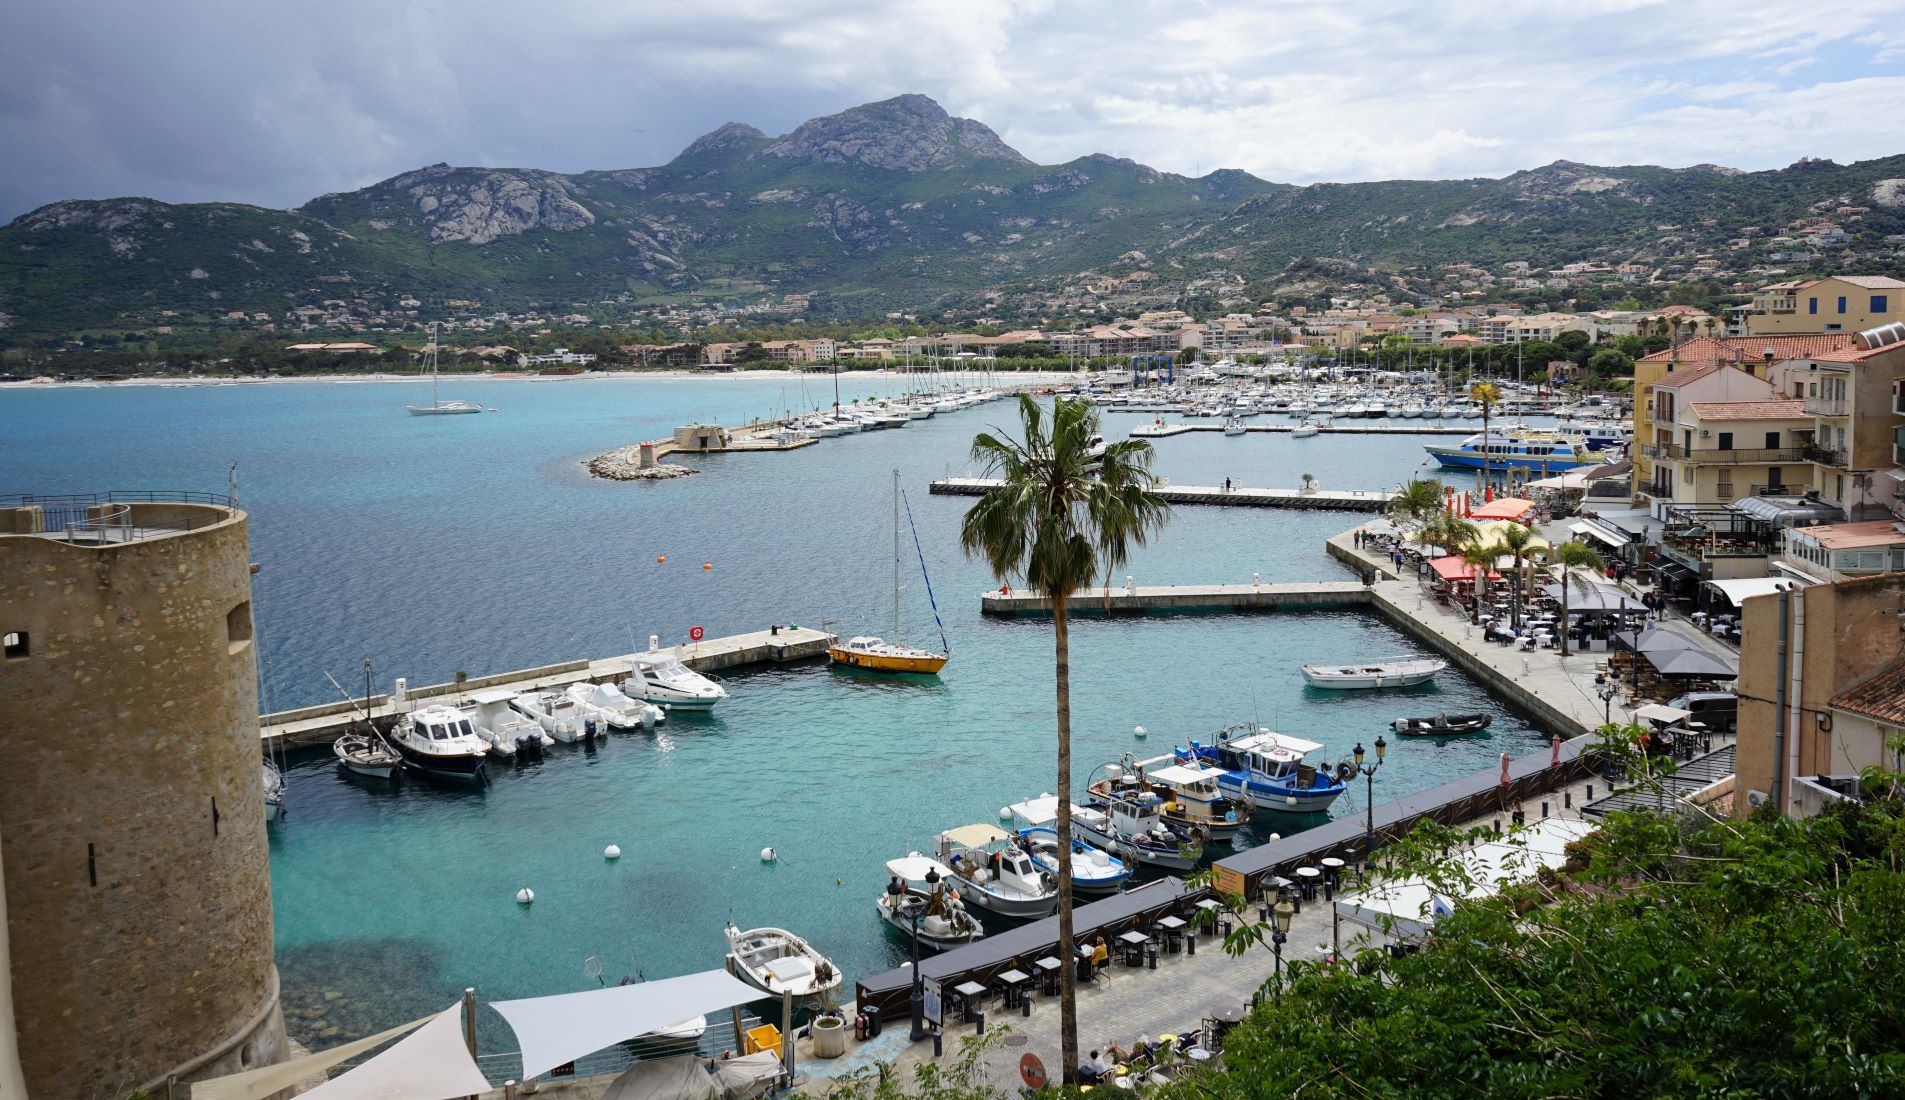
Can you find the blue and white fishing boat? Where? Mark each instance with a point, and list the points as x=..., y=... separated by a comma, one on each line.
x=1265, y=769
x=1133, y=829
x=1522, y=449
x=1093, y=871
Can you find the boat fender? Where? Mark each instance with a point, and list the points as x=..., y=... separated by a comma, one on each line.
x=1344, y=771
x=860, y=1027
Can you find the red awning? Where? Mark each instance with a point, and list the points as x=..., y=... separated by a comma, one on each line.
x=1455, y=569
x=1505, y=508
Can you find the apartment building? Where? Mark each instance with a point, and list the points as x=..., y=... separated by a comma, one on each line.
x=1715, y=432
x=1841, y=551
x=1841, y=303
x=1856, y=396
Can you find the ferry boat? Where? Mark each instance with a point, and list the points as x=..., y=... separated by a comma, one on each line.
x=1266, y=770
x=438, y=740
x=993, y=873
x=1520, y=449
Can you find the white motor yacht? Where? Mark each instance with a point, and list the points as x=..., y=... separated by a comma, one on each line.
x=606, y=704
x=921, y=900
x=660, y=678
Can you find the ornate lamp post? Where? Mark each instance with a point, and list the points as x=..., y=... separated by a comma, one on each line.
x=1369, y=783
x=1279, y=935
x=917, y=998
x=1604, y=687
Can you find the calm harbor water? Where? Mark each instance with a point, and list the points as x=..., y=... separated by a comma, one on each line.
x=430, y=546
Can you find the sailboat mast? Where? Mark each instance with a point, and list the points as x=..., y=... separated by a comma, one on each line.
x=435, y=400
x=896, y=556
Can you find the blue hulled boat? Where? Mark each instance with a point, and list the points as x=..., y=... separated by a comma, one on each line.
x=1265, y=769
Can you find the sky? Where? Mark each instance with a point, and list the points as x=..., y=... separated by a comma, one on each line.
x=276, y=101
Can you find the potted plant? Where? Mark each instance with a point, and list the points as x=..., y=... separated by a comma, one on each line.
x=829, y=1025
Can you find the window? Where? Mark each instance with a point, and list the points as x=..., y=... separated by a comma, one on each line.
x=238, y=627
x=1772, y=441
x=1726, y=441
x=1879, y=304
x=1841, y=303
x=1838, y=486
x=16, y=648
x=1775, y=478
x=1812, y=305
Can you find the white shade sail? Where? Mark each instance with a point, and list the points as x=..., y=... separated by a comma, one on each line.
x=255, y=1084
x=562, y=1028
x=432, y=1064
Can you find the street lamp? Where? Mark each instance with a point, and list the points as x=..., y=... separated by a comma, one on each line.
x=1279, y=935
x=1369, y=783
x=1604, y=687
x=917, y=998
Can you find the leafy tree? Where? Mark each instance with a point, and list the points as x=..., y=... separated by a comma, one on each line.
x=1417, y=502
x=1611, y=362
x=1572, y=556
x=1487, y=395
x=1064, y=514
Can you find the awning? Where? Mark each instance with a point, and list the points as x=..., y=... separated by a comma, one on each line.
x=1504, y=508
x=1678, y=573
x=432, y=1064
x=1587, y=597
x=1739, y=591
x=1661, y=712
x=975, y=836
x=562, y=1028
x=255, y=1084
x=1674, y=653
x=1036, y=811
x=914, y=868
x=1455, y=569
x=1599, y=534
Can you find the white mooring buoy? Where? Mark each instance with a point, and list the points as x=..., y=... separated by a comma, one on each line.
x=525, y=895
x=613, y=851
x=1140, y=733
x=767, y=855
x=1005, y=813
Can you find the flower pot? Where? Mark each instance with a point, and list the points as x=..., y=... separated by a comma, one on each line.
x=830, y=1037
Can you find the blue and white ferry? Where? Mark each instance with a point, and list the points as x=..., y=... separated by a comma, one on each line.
x=1522, y=449
x=1265, y=769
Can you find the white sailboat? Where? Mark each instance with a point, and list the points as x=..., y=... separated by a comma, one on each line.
x=438, y=406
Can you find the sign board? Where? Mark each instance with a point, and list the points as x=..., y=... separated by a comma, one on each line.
x=935, y=1004
x=566, y=1069
x=1032, y=1071
x=1229, y=881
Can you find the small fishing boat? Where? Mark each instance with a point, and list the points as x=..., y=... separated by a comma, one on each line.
x=1133, y=829
x=1193, y=797
x=994, y=873
x=942, y=918
x=508, y=733
x=1386, y=672
x=1093, y=871
x=439, y=741
x=1266, y=770
x=774, y=960
x=559, y=716
x=606, y=704
x=274, y=791
x=878, y=655
x=660, y=678
x=1442, y=725
x=367, y=754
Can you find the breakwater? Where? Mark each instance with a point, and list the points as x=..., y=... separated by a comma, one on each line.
x=1236, y=496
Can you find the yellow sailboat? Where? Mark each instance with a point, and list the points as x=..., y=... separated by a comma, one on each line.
x=879, y=655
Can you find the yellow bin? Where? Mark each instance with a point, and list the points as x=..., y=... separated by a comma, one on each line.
x=765, y=1037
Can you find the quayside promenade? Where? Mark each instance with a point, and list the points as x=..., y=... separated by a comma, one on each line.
x=1236, y=496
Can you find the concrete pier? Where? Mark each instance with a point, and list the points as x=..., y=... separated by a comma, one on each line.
x=1165, y=431
x=1340, y=500
x=323, y=724
x=1166, y=599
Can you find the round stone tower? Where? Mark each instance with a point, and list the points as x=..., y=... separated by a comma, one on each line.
x=137, y=887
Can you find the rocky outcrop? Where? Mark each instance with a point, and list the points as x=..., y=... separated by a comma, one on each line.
x=625, y=464
x=729, y=138
x=480, y=207
x=908, y=133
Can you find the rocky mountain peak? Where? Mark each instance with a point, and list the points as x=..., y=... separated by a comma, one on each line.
x=722, y=139
x=908, y=133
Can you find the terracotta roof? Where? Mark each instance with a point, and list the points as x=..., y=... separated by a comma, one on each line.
x=1779, y=408
x=1799, y=345
x=1855, y=354
x=1882, y=697
x=1691, y=373
x=1872, y=282
x=1845, y=536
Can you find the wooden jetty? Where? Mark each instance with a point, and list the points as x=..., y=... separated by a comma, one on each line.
x=323, y=724
x=1339, y=500
x=1188, y=598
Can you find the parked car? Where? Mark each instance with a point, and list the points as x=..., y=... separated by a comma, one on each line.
x=1718, y=711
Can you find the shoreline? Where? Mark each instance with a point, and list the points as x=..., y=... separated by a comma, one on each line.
x=666, y=374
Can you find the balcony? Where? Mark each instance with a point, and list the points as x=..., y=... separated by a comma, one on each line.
x=1823, y=456
x=1716, y=456
x=1828, y=406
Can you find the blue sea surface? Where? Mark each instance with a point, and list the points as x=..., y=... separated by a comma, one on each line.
x=435, y=545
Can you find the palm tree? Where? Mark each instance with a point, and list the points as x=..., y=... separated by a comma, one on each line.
x=1480, y=557
x=1518, y=541
x=1573, y=555
x=1064, y=513
x=1487, y=395
x=1448, y=531
x=1417, y=502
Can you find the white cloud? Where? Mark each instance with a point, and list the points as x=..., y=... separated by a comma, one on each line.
x=274, y=103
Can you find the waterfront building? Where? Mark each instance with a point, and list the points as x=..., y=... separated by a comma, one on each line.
x=1840, y=303
x=1841, y=551
x=137, y=892
x=1713, y=452
x=1856, y=396
x=1824, y=691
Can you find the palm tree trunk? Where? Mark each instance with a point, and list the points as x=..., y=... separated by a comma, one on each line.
x=1484, y=452
x=1564, y=609
x=1067, y=953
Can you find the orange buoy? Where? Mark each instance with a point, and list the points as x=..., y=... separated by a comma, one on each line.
x=707, y=565
x=659, y=558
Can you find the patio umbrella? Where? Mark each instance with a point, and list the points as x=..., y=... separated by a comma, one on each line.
x=1691, y=662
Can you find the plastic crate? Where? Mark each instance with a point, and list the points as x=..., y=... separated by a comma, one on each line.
x=764, y=1038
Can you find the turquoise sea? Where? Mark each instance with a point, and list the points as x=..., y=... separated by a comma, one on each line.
x=480, y=544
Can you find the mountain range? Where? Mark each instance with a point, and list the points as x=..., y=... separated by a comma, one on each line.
x=886, y=206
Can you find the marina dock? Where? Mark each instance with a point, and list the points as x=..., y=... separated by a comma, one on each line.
x=1165, y=431
x=1339, y=500
x=1167, y=599
x=323, y=724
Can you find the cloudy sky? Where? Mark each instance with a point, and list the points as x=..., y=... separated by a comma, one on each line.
x=275, y=101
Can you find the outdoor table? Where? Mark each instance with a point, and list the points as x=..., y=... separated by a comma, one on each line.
x=970, y=994
x=1307, y=877
x=1049, y=968
x=1134, y=947
x=1199, y=1055
x=1173, y=934
x=1014, y=982
x=1085, y=969
x=1332, y=871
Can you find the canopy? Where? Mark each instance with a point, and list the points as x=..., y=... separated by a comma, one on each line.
x=255, y=1084
x=1265, y=740
x=432, y=1064
x=1490, y=530
x=1739, y=591
x=1573, y=479
x=1179, y=773
x=1036, y=811
x=1673, y=653
x=1455, y=569
x=1504, y=508
x=975, y=836
x=913, y=868
x=1408, y=908
x=1661, y=712
x=493, y=695
x=1589, y=597
x=562, y=1028
x=1599, y=534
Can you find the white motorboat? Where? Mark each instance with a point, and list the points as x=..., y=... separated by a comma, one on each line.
x=1266, y=770
x=1191, y=790
x=367, y=754
x=606, y=704
x=1305, y=430
x=776, y=961
x=660, y=678
x=1390, y=672
x=1133, y=828
x=559, y=716
x=993, y=873
x=274, y=792
x=932, y=910
x=507, y=732
x=438, y=740
x=1093, y=871
x=1234, y=426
